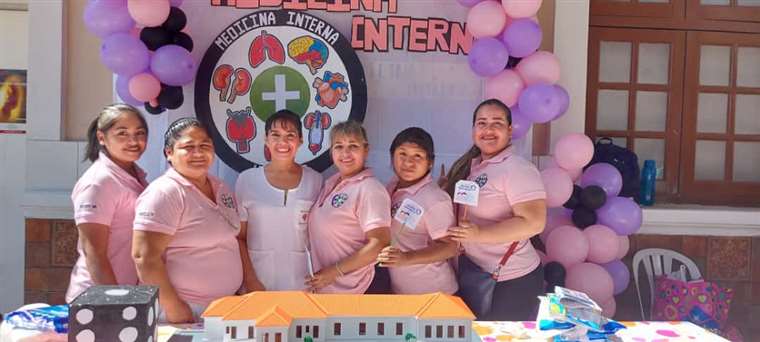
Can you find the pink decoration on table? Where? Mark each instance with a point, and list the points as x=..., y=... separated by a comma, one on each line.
x=674, y=299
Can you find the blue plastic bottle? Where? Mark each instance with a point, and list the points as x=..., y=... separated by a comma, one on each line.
x=648, y=179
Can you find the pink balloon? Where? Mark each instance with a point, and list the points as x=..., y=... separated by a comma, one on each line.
x=149, y=13
x=603, y=244
x=521, y=8
x=574, y=174
x=558, y=186
x=510, y=20
x=573, y=151
x=623, y=246
x=609, y=307
x=568, y=246
x=486, y=19
x=506, y=87
x=144, y=87
x=590, y=279
x=540, y=67
x=556, y=218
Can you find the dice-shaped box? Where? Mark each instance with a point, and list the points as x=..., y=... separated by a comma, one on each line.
x=122, y=313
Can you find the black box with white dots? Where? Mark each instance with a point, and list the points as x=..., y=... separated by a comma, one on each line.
x=119, y=313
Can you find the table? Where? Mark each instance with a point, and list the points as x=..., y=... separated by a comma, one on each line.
x=517, y=331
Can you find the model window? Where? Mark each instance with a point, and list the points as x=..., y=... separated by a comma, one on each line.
x=461, y=331
x=362, y=328
x=299, y=331
x=336, y=329
x=266, y=337
x=250, y=332
x=399, y=329
x=278, y=337
x=307, y=329
x=227, y=329
x=233, y=332
x=438, y=331
x=381, y=329
x=450, y=331
x=428, y=331
x=316, y=331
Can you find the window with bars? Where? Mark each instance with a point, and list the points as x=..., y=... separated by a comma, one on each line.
x=380, y=329
x=362, y=329
x=399, y=329
x=336, y=329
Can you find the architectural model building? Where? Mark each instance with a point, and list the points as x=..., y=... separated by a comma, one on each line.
x=294, y=316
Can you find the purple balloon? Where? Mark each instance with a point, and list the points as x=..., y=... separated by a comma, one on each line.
x=522, y=37
x=620, y=274
x=469, y=3
x=539, y=103
x=106, y=17
x=520, y=124
x=173, y=65
x=122, y=89
x=124, y=54
x=621, y=214
x=176, y=3
x=564, y=98
x=604, y=175
x=488, y=57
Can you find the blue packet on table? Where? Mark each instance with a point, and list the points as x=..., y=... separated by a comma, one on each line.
x=49, y=318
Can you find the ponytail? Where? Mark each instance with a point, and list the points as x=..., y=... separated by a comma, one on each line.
x=460, y=169
x=93, y=145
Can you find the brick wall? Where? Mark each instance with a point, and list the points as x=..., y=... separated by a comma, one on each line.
x=51, y=251
x=729, y=261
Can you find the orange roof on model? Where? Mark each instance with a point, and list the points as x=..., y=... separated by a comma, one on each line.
x=279, y=308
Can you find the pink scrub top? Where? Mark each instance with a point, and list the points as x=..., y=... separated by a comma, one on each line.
x=106, y=194
x=346, y=209
x=203, y=258
x=276, y=219
x=437, y=217
x=505, y=179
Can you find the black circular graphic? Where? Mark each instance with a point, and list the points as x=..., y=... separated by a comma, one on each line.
x=271, y=60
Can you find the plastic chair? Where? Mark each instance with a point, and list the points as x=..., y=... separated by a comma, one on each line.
x=659, y=262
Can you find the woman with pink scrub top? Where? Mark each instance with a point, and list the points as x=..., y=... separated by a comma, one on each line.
x=422, y=214
x=348, y=225
x=186, y=228
x=274, y=203
x=510, y=208
x=104, y=199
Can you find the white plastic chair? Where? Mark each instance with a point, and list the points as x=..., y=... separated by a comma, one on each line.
x=659, y=262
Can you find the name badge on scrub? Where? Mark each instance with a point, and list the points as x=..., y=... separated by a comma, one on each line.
x=466, y=192
x=409, y=213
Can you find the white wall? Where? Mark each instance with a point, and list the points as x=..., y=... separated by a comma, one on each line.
x=13, y=44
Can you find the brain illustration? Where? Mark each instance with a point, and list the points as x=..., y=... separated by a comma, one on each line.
x=310, y=51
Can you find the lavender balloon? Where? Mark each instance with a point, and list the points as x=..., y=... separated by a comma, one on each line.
x=564, y=98
x=469, y=3
x=522, y=37
x=539, y=103
x=173, y=65
x=621, y=277
x=176, y=3
x=122, y=89
x=124, y=54
x=488, y=57
x=605, y=176
x=520, y=124
x=621, y=214
x=106, y=17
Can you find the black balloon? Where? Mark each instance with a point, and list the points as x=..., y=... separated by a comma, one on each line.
x=554, y=274
x=583, y=217
x=513, y=61
x=593, y=197
x=155, y=37
x=170, y=97
x=575, y=199
x=176, y=20
x=183, y=39
x=154, y=110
